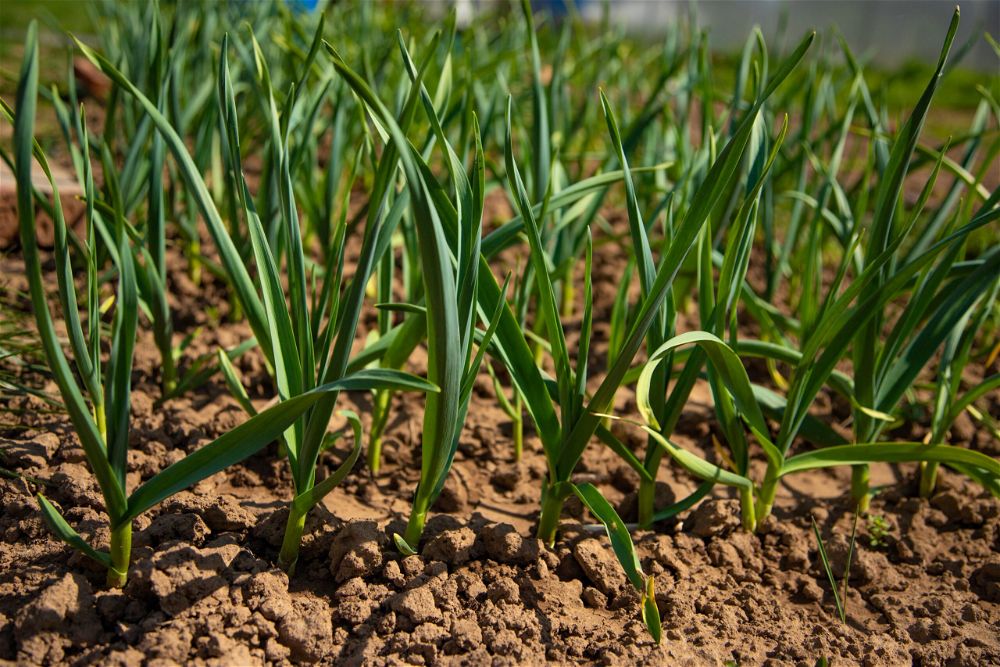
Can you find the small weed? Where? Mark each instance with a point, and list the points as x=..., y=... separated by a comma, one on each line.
x=878, y=530
x=839, y=598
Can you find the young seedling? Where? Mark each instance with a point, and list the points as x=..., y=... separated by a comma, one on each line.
x=839, y=597
x=581, y=416
x=99, y=405
x=565, y=442
x=621, y=542
x=949, y=402
x=878, y=530
x=307, y=350
x=306, y=353
x=940, y=295
x=875, y=364
x=450, y=281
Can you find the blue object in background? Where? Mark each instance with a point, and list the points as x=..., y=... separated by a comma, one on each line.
x=556, y=8
x=303, y=5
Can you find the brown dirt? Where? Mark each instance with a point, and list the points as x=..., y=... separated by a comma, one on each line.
x=203, y=588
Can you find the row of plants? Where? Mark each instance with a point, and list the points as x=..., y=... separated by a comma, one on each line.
x=786, y=206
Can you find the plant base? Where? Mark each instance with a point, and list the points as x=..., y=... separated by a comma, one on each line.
x=121, y=555
x=289, y=554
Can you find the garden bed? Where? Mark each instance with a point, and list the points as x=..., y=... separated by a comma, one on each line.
x=263, y=395
x=204, y=589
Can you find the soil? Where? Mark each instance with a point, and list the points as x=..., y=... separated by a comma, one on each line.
x=203, y=588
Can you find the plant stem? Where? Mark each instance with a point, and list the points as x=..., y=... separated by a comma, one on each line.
x=645, y=502
x=646, y=499
x=860, y=489
x=765, y=498
x=380, y=415
x=418, y=516
x=121, y=555
x=568, y=295
x=548, y=520
x=375, y=452
x=194, y=261
x=928, y=478
x=747, y=510
x=168, y=372
x=102, y=422
x=289, y=554
x=517, y=420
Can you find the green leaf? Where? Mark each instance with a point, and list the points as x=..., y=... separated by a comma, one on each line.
x=384, y=378
x=118, y=383
x=484, y=343
x=403, y=547
x=888, y=452
x=281, y=346
x=637, y=229
x=57, y=524
x=988, y=480
x=540, y=135
x=90, y=436
x=243, y=441
x=232, y=378
x=307, y=499
x=621, y=543
x=891, y=181
x=828, y=569
x=402, y=308
x=685, y=503
x=988, y=385
x=698, y=466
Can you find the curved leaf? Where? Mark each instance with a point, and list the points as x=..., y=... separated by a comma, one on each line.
x=58, y=525
x=307, y=499
x=621, y=543
x=83, y=422
x=383, y=378
x=888, y=452
x=730, y=372
x=245, y=440
x=693, y=463
x=228, y=253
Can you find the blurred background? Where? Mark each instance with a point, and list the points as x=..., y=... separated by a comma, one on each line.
x=892, y=33
x=896, y=40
